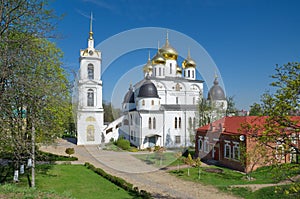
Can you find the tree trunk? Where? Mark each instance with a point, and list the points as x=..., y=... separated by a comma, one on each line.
x=33, y=157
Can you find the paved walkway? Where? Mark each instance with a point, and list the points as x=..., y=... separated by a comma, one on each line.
x=122, y=164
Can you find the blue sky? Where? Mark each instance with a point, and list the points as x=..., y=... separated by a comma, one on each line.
x=245, y=39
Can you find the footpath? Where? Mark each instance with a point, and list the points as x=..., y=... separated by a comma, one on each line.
x=122, y=164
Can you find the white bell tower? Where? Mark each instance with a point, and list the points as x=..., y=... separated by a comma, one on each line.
x=89, y=110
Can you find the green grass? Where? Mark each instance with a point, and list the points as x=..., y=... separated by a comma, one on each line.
x=66, y=181
x=158, y=160
x=79, y=182
x=264, y=175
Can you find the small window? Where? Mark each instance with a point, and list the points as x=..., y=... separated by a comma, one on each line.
x=154, y=123
x=131, y=135
x=149, y=123
x=159, y=71
x=143, y=102
x=177, y=139
x=131, y=120
x=188, y=73
x=190, y=123
x=200, y=144
x=194, y=123
x=206, y=145
x=90, y=71
x=176, y=100
x=193, y=74
x=179, y=122
x=170, y=68
x=175, y=124
x=90, y=97
x=152, y=102
x=227, y=150
x=236, y=151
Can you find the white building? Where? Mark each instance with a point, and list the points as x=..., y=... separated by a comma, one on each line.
x=89, y=110
x=161, y=109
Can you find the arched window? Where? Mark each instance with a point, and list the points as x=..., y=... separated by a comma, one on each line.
x=131, y=120
x=194, y=124
x=90, y=71
x=193, y=74
x=154, y=123
x=159, y=71
x=170, y=68
x=90, y=133
x=188, y=73
x=175, y=124
x=152, y=102
x=143, y=102
x=149, y=123
x=190, y=122
x=90, y=97
x=179, y=122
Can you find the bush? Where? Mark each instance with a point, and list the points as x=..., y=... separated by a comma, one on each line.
x=118, y=181
x=70, y=151
x=123, y=144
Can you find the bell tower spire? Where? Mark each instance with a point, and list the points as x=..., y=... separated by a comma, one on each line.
x=91, y=39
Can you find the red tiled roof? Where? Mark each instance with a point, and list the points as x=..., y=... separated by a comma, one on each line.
x=232, y=125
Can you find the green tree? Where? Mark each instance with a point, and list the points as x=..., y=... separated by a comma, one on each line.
x=231, y=109
x=280, y=128
x=189, y=161
x=33, y=87
x=255, y=110
x=110, y=112
x=204, y=109
x=70, y=151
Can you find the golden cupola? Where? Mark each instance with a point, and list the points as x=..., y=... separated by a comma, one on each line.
x=148, y=67
x=167, y=51
x=178, y=70
x=189, y=62
x=158, y=59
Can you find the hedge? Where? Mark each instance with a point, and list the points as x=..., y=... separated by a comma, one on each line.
x=119, y=181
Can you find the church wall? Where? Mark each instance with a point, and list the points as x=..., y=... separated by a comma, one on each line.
x=84, y=62
x=89, y=128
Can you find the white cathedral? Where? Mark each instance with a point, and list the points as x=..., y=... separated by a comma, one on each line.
x=159, y=110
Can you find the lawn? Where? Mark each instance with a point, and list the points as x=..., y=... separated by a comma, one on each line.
x=78, y=181
x=228, y=177
x=158, y=159
x=67, y=181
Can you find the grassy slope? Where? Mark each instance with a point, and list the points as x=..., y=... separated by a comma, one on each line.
x=230, y=177
x=78, y=182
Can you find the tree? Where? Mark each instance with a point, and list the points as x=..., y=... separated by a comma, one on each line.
x=205, y=109
x=231, y=109
x=255, y=110
x=189, y=161
x=33, y=86
x=197, y=163
x=70, y=151
x=110, y=113
x=280, y=129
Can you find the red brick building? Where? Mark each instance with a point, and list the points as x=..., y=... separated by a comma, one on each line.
x=225, y=142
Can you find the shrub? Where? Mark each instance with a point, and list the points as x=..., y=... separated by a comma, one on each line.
x=123, y=144
x=70, y=151
x=118, y=181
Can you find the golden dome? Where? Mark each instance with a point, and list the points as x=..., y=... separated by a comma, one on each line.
x=148, y=67
x=178, y=70
x=158, y=59
x=167, y=51
x=189, y=62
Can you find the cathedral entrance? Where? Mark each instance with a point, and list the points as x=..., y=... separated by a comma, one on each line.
x=152, y=141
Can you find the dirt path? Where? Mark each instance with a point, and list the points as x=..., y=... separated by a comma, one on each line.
x=158, y=182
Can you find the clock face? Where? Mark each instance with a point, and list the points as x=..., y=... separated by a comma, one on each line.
x=91, y=52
